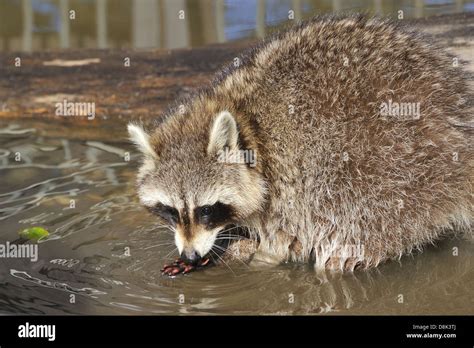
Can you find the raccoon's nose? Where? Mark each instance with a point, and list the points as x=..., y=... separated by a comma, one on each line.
x=190, y=256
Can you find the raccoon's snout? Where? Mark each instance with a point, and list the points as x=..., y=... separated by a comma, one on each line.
x=191, y=256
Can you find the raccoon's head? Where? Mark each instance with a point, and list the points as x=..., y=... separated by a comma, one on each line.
x=193, y=176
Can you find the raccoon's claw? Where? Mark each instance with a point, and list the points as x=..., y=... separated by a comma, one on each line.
x=179, y=266
x=175, y=268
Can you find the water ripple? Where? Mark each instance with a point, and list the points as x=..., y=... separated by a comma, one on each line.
x=55, y=285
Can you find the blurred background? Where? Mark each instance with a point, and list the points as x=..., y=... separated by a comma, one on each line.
x=37, y=25
x=49, y=54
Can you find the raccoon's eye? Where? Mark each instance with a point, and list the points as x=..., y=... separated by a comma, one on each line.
x=205, y=214
x=206, y=211
x=213, y=215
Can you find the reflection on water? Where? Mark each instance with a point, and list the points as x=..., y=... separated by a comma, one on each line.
x=104, y=253
x=51, y=24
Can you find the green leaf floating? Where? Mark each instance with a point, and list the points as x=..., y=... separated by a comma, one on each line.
x=34, y=233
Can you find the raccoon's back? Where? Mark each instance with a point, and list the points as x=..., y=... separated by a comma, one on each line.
x=316, y=94
x=342, y=67
x=328, y=81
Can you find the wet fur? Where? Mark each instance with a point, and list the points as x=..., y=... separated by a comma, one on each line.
x=333, y=172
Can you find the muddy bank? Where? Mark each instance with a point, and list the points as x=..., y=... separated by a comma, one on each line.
x=123, y=84
x=142, y=89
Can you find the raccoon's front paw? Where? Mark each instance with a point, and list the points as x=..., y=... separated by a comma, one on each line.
x=241, y=250
x=180, y=266
x=338, y=264
x=263, y=258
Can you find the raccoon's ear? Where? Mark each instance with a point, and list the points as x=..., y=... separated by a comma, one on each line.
x=141, y=139
x=223, y=133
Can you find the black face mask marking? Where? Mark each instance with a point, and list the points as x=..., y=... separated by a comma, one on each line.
x=166, y=212
x=214, y=215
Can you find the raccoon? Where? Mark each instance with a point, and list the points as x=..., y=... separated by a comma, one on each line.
x=359, y=141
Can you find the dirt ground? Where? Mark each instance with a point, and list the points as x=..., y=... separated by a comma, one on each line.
x=143, y=90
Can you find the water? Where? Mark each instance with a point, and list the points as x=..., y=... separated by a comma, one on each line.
x=107, y=251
